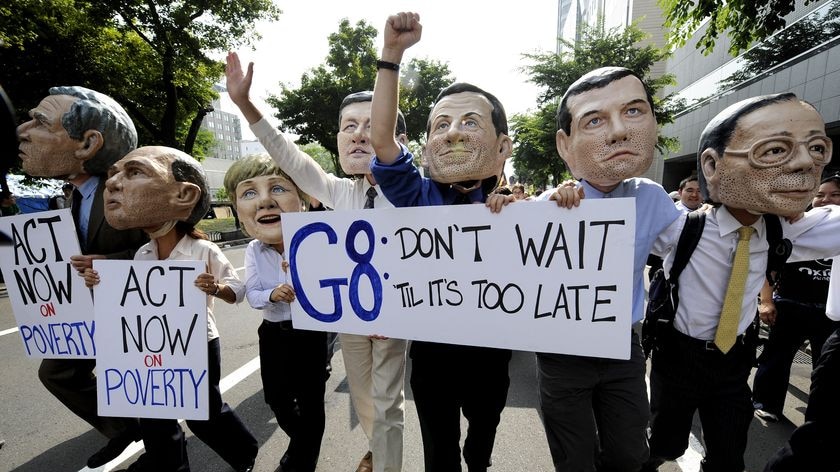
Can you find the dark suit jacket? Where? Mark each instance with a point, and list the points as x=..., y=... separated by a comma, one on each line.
x=103, y=239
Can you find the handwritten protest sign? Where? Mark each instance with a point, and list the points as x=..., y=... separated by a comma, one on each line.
x=533, y=277
x=52, y=306
x=152, y=339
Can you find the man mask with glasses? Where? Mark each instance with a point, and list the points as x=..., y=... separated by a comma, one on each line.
x=754, y=161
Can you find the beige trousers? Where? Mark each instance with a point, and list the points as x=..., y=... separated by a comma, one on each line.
x=376, y=375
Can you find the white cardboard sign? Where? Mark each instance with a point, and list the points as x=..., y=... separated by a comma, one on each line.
x=534, y=277
x=152, y=338
x=52, y=306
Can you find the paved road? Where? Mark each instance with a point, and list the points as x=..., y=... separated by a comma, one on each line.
x=42, y=436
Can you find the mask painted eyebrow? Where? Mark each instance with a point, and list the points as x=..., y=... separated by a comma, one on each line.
x=41, y=118
x=635, y=101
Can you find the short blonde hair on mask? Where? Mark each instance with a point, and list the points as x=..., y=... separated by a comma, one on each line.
x=257, y=165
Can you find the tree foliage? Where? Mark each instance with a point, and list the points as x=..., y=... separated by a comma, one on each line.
x=151, y=56
x=311, y=110
x=744, y=21
x=535, y=155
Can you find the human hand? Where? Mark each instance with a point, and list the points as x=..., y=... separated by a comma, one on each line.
x=402, y=31
x=496, y=201
x=81, y=262
x=207, y=283
x=282, y=293
x=567, y=196
x=91, y=277
x=238, y=84
x=767, y=312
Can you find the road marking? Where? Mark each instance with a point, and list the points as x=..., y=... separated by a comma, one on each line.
x=8, y=331
x=225, y=384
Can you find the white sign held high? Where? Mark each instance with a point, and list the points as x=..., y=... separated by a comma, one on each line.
x=534, y=277
x=52, y=306
x=152, y=338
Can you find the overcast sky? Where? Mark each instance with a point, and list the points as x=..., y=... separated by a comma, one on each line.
x=481, y=41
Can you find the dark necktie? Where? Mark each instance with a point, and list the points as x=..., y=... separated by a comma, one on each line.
x=74, y=208
x=371, y=194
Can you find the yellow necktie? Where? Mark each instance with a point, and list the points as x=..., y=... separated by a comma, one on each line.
x=730, y=315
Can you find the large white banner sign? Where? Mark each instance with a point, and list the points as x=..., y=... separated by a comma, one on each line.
x=152, y=337
x=52, y=306
x=534, y=277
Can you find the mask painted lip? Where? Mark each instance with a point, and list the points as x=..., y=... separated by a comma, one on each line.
x=112, y=203
x=269, y=219
x=619, y=154
x=359, y=152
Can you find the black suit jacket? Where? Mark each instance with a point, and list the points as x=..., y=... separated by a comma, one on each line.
x=103, y=239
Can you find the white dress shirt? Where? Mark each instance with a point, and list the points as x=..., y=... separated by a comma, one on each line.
x=334, y=192
x=189, y=249
x=703, y=282
x=263, y=273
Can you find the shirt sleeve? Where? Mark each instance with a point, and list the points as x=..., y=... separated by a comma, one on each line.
x=259, y=296
x=814, y=236
x=401, y=182
x=223, y=270
x=303, y=170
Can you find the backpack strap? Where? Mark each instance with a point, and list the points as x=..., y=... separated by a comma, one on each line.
x=689, y=238
x=779, y=250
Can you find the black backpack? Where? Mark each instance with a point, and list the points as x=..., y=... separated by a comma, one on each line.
x=663, y=298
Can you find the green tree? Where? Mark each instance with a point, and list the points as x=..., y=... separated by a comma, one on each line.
x=321, y=156
x=150, y=56
x=535, y=155
x=744, y=21
x=311, y=110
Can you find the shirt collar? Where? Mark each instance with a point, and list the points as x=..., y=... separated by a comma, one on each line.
x=727, y=224
x=182, y=251
x=88, y=188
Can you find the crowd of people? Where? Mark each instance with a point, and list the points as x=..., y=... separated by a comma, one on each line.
x=763, y=155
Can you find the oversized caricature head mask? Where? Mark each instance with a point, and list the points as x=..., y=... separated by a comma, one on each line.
x=606, y=127
x=764, y=154
x=466, y=136
x=72, y=131
x=354, y=148
x=262, y=193
x=155, y=186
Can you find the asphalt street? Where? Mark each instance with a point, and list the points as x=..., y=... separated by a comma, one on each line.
x=42, y=436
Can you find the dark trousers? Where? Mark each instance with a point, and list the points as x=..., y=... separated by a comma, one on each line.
x=595, y=411
x=795, y=323
x=813, y=446
x=223, y=432
x=689, y=375
x=73, y=383
x=293, y=370
x=447, y=380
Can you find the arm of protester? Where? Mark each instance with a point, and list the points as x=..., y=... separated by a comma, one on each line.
x=207, y=283
x=567, y=196
x=282, y=293
x=496, y=201
x=239, y=86
x=82, y=262
x=401, y=31
x=91, y=277
x=766, y=305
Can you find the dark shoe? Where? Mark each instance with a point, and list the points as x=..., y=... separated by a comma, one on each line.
x=366, y=464
x=111, y=451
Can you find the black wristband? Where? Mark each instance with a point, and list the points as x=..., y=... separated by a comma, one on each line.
x=387, y=65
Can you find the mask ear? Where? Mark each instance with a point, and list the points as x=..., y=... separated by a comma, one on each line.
x=402, y=139
x=561, y=140
x=91, y=143
x=709, y=165
x=187, y=197
x=505, y=146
